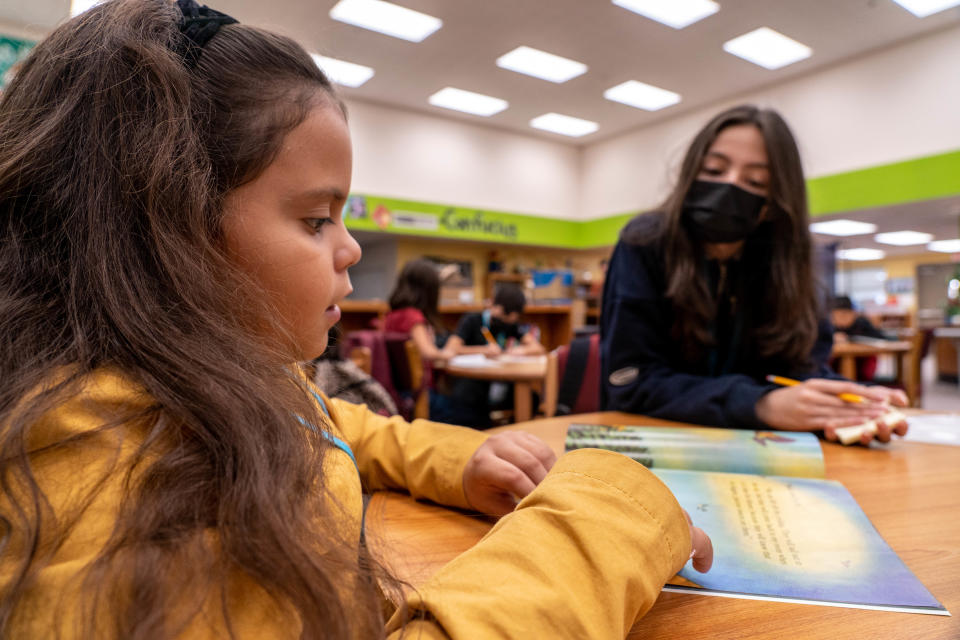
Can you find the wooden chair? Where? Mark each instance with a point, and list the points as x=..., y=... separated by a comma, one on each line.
x=362, y=357
x=913, y=376
x=551, y=385
x=421, y=406
x=586, y=398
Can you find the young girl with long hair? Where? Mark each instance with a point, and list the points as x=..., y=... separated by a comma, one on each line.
x=715, y=290
x=171, y=242
x=413, y=308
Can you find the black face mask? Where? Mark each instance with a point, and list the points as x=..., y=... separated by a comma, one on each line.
x=721, y=211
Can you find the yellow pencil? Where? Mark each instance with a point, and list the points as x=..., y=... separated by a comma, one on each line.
x=788, y=382
x=488, y=336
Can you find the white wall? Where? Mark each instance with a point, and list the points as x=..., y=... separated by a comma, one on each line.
x=896, y=104
x=407, y=155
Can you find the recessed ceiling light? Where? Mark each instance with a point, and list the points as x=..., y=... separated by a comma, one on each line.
x=767, y=48
x=342, y=72
x=860, y=254
x=564, y=125
x=467, y=101
x=903, y=238
x=386, y=18
x=945, y=246
x=79, y=6
x=843, y=228
x=541, y=64
x=642, y=96
x=924, y=8
x=673, y=13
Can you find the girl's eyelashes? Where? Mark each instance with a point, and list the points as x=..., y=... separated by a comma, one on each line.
x=317, y=223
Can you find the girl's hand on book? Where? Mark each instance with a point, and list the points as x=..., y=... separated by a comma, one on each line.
x=816, y=404
x=702, y=551
x=504, y=469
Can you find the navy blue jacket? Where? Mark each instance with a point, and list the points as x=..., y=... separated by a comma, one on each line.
x=643, y=368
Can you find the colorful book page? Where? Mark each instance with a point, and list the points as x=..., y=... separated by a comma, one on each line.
x=797, y=539
x=780, y=453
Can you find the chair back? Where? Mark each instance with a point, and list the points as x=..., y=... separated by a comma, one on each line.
x=409, y=374
x=380, y=369
x=579, y=388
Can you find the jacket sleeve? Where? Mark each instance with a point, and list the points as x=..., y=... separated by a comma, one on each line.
x=820, y=356
x=638, y=370
x=583, y=556
x=425, y=458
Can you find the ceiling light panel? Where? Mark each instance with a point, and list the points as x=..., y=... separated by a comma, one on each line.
x=861, y=254
x=924, y=8
x=79, y=6
x=564, y=125
x=768, y=48
x=386, y=18
x=843, y=228
x=903, y=238
x=468, y=102
x=673, y=13
x=641, y=95
x=347, y=74
x=945, y=246
x=541, y=64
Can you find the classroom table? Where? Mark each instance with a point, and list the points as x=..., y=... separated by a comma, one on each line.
x=908, y=490
x=848, y=352
x=522, y=371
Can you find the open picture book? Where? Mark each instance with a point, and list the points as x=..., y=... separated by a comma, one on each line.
x=780, y=531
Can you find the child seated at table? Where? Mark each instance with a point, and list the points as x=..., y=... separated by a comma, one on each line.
x=495, y=331
x=413, y=309
x=171, y=189
x=848, y=323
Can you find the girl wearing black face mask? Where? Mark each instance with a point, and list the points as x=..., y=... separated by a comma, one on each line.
x=715, y=290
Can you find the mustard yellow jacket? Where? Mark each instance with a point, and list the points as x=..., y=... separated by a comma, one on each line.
x=583, y=556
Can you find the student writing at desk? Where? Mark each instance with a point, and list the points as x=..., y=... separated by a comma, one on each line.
x=172, y=185
x=715, y=290
x=495, y=331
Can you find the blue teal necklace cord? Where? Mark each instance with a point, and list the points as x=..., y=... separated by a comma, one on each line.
x=343, y=446
x=337, y=442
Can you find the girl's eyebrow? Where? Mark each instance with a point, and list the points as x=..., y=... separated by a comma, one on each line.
x=721, y=156
x=320, y=193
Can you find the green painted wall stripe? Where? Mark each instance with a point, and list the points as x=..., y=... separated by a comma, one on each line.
x=909, y=181
x=407, y=217
x=925, y=178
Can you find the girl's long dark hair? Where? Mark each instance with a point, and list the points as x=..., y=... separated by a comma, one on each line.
x=418, y=286
x=114, y=161
x=788, y=295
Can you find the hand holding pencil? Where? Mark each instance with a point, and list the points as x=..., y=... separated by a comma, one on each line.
x=832, y=406
x=493, y=349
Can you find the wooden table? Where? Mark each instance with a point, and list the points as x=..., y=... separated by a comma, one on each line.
x=523, y=372
x=848, y=352
x=910, y=491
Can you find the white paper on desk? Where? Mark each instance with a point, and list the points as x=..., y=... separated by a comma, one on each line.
x=934, y=428
x=472, y=360
x=512, y=359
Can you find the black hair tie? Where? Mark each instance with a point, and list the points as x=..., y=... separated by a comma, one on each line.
x=198, y=25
